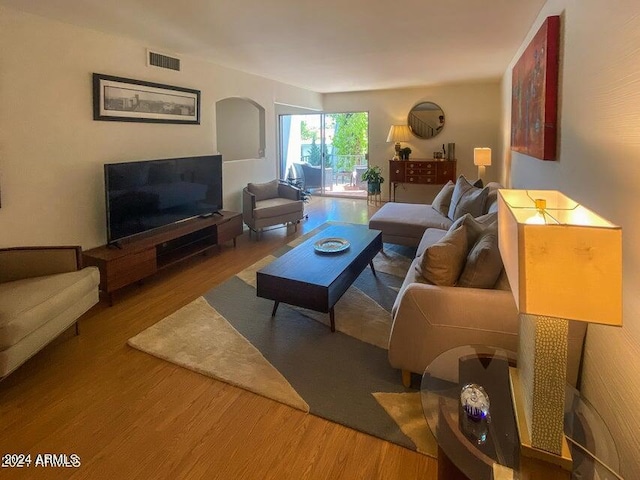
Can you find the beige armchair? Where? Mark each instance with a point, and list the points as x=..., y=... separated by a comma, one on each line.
x=43, y=291
x=271, y=203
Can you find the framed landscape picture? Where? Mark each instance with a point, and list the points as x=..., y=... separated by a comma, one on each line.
x=127, y=100
x=534, y=94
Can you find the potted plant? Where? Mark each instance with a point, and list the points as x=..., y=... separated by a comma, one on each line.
x=373, y=177
x=404, y=153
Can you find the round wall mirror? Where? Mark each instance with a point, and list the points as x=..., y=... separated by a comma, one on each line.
x=426, y=120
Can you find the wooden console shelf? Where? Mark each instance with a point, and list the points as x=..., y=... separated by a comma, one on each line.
x=420, y=172
x=145, y=254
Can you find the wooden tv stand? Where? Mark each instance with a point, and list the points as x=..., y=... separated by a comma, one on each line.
x=145, y=254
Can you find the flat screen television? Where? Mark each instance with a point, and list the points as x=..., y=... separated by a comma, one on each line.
x=145, y=195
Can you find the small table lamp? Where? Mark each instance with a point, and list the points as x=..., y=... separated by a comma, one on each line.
x=398, y=133
x=563, y=262
x=481, y=159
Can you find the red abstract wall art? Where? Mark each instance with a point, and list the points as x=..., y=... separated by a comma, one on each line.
x=534, y=94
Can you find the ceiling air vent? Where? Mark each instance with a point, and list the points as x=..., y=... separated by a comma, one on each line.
x=163, y=61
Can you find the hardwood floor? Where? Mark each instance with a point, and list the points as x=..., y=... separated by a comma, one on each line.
x=129, y=415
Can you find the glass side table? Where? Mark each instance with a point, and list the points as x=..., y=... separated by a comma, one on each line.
x=488, y=448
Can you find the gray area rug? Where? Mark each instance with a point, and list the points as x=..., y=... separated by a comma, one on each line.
x=294, y=358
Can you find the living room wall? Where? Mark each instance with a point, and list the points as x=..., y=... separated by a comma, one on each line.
x=472, y=119
x=52, y=151
x=598, y=165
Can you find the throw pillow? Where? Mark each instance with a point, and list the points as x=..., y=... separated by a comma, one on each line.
x=487, y=218
x=483, y=265
x=466, y=199
x=443, y=199
x=478, y=183
x=442, y=262
x=476, y=227
x=263, y=191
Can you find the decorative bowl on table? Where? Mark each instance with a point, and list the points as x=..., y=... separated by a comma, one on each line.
x=331, y=245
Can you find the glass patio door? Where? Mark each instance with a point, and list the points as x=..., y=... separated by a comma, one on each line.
x=325, y=153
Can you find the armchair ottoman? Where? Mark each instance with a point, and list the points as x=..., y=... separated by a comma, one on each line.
x=43, y=291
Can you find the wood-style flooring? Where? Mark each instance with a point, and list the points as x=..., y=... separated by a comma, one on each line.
x=129, y=415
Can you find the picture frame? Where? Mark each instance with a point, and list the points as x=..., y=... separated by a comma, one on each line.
x=534, y=94
x=127, y=100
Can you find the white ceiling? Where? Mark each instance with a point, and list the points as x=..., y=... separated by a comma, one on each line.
x=325, y=46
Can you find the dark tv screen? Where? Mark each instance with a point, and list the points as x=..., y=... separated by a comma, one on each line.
x=145, y=195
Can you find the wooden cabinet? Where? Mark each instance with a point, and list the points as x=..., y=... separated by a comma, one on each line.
x=421, y=172
x=125, y=270
x=229, y=229
x=446, y=171
x=396, y=170
x=141, y=256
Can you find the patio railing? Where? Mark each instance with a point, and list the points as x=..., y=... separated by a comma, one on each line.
x=340, y=163
x=346, y=170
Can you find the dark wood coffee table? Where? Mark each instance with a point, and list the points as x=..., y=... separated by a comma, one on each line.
x=308, y=279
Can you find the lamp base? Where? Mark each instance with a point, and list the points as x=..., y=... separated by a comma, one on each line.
x=562, y=460
x=481, y=172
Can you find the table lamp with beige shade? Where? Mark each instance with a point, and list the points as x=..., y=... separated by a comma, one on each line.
x=482, y=159
x=563, y=262
x=397, y=134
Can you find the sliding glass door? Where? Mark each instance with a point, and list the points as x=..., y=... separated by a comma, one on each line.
x=325, y=153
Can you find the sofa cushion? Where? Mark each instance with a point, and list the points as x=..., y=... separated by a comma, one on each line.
x=431, y=236
x=503, y=281
x=412, y=276
x=277, y=207
x=264, y=191
x=442, y=262
x=407, y=220
x=27, y=304
x=483, y=264
x=467, y=199
x=443, y=199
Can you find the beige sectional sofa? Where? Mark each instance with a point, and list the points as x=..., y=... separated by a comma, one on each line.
x=428, y=318
x=405, y=223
